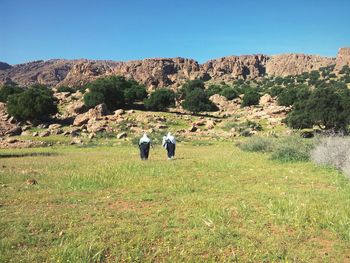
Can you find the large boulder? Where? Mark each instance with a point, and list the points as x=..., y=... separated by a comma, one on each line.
x=94, y=113
x=75, y=108
x=81, y=119
x=97, y=112
x=8, y=126
x=265, y=100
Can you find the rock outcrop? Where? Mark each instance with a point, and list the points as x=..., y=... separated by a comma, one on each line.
x=294, y=64
x=162, y=72
x=233, y=67
x=343, y=58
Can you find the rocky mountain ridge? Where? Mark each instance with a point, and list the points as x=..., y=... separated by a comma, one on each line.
x=162, y=72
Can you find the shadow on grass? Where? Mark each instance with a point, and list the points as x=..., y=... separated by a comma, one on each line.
x=17, y=155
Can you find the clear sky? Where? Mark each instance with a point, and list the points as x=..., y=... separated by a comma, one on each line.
x=198, y=29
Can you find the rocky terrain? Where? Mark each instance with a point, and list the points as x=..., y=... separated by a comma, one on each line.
x=75, y=124
x=162, y=72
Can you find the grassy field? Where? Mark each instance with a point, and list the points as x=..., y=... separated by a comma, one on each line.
x=213, y=203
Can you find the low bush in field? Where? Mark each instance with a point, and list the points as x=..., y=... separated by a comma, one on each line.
x=257, y=144
x=292, y=149
x=289, y=149
x=333, y=151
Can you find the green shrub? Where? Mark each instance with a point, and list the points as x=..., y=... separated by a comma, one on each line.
x=197, y=101
x=114, y=91
x=292, y=149
x=65, y=89
x=34, y=103
x=160, y=100
x=213, y=89
x=229, y=93
x=91, y=99
x=327, y=107
x=8, y=90
x=275, y=90
x=190, y=86
x=250, y=98
x=257, y=144
x=135, y=93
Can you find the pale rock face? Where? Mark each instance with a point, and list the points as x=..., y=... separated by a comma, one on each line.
x=294, y=64
x=233, y=67
x=343, y=58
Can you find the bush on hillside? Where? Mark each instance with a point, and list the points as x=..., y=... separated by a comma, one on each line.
x=327, y=107
x=230, y=93
x=197, y=101
x=190, y=86
x=34, y=103
x=160, y=100
x=65, y=89
x=114, y=91
x=250, y=98
x=213, y=89
x=7, y=90
x=135, y=93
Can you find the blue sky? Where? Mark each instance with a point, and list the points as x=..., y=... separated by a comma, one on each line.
x=202, y=30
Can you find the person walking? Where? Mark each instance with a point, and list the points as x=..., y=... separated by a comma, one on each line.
x=144, y=145
x=169, y=143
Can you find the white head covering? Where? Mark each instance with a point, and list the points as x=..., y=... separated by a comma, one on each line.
x=144, y=139
x=171, y=138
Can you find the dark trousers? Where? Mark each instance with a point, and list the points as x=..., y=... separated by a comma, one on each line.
x=144, y=150
x=170, y=147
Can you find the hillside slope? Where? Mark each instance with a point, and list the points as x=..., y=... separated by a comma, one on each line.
x=162, y=72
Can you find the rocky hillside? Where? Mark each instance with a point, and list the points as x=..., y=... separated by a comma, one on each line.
x=161, y=72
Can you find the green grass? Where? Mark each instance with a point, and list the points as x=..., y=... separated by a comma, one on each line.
x=213, y=203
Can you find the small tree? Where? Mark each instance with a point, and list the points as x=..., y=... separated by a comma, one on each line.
x=229, y=93
x=250, y=98
x=135, y=92
x=190, y=86
x=213, y=89
x=91, y=99
x=8, y=90
x=160, y=100
x=327, y=107
x=197, y=101
x=114, y=91
x=34, y=103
